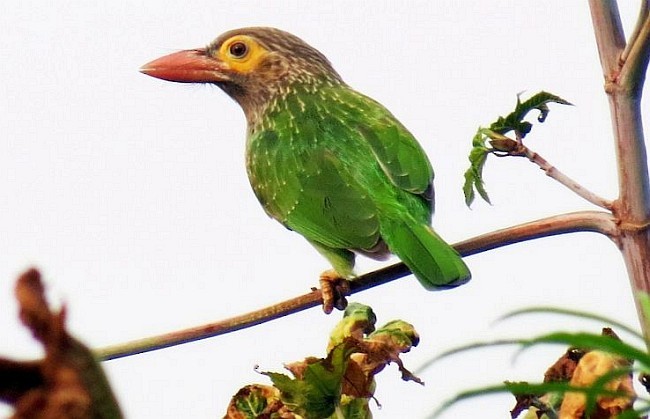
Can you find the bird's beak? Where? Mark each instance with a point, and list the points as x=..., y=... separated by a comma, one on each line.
x=190, y=66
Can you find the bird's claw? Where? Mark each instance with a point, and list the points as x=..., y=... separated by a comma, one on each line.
x=334, y=289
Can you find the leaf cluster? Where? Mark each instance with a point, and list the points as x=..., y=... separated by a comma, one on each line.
x=339, y=385
x=493, y=140
x=592, y=379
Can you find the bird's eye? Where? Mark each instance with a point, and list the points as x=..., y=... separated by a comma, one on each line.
x=238, y=49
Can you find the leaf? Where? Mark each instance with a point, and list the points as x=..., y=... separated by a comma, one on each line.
x=254, y=401
x=355, y=408
x=358, y=320
x=499, y=143
x=474, y=175
x=68, y=382
x=576, y=313
x=601, y=342
x=316, y=390
x=385, y=345
x=514, y=121
x=609, y=382
x=593, y=376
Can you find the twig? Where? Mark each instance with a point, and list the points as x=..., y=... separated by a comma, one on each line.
x=594, y=221
x=644, y=13
x=515, y=147
x=565, y=180
x=634, y=59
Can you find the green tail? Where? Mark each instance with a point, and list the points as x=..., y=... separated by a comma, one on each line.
x=433, y=262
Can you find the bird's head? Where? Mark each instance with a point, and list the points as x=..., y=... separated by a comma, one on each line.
x=252, y=65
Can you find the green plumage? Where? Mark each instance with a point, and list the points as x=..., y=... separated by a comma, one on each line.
x=338, y=168
x=323, y=159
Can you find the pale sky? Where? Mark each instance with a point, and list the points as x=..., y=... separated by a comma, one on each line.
x=130, y=193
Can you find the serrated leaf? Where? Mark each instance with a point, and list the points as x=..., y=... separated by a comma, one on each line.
x=355, y=408
x=317, y=392
x=254, y=401
x=341, y=384
x=252, y=405
x=358, y=320
x=514, y=121
x=474, y=175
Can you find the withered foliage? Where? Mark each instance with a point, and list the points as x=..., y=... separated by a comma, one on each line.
x=68, y=382
x=582, y=368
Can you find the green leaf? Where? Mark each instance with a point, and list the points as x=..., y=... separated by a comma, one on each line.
x=576, y=313
x=474, y=175
x=500, y=144
x=592, y=341
x=514, y=121
x=523, y=388
x=317, y=392
x=251, y=401
x=358, y=320
x=355, y=408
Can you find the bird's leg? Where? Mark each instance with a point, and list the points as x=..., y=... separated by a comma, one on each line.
x=334, y=289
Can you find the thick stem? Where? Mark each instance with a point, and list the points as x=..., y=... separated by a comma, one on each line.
x=624, y=72
x=633, y=206
x=609, y=34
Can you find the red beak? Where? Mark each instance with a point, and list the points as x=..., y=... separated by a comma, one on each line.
x=190, y=66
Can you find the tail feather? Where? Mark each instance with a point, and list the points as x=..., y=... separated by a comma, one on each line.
x=433, y=262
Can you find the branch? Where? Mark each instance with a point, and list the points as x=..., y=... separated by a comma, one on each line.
x=609, y=35
x=637, y=51
x=594, y=221
x=641, y=19
x=505, y=146
x=556, y=174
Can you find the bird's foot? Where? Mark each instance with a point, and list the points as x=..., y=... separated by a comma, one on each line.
x=334, y=289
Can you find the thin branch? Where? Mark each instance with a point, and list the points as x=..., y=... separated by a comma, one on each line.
x=637, y=55
x=609, y=35
x=594, y=221
x=644, y=12
x=516, y=148
x=565, y=180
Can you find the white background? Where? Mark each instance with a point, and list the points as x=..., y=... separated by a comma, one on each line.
x=130, y=193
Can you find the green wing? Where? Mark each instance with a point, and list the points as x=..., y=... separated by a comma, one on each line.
x=328, y=169
x=398, y=153
x=303, y=184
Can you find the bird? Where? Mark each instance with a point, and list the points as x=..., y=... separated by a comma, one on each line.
x=323, y=159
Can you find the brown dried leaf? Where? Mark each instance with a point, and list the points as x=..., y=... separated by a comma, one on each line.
x=591, y=367
x=562, y=369
x=257, y=401
x=68, y=382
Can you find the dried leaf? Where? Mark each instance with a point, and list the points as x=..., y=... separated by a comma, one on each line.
x=257, y=401
x=68, y=382
x=593, y=366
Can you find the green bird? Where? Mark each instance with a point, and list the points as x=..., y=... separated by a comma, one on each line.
x=323, y=159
